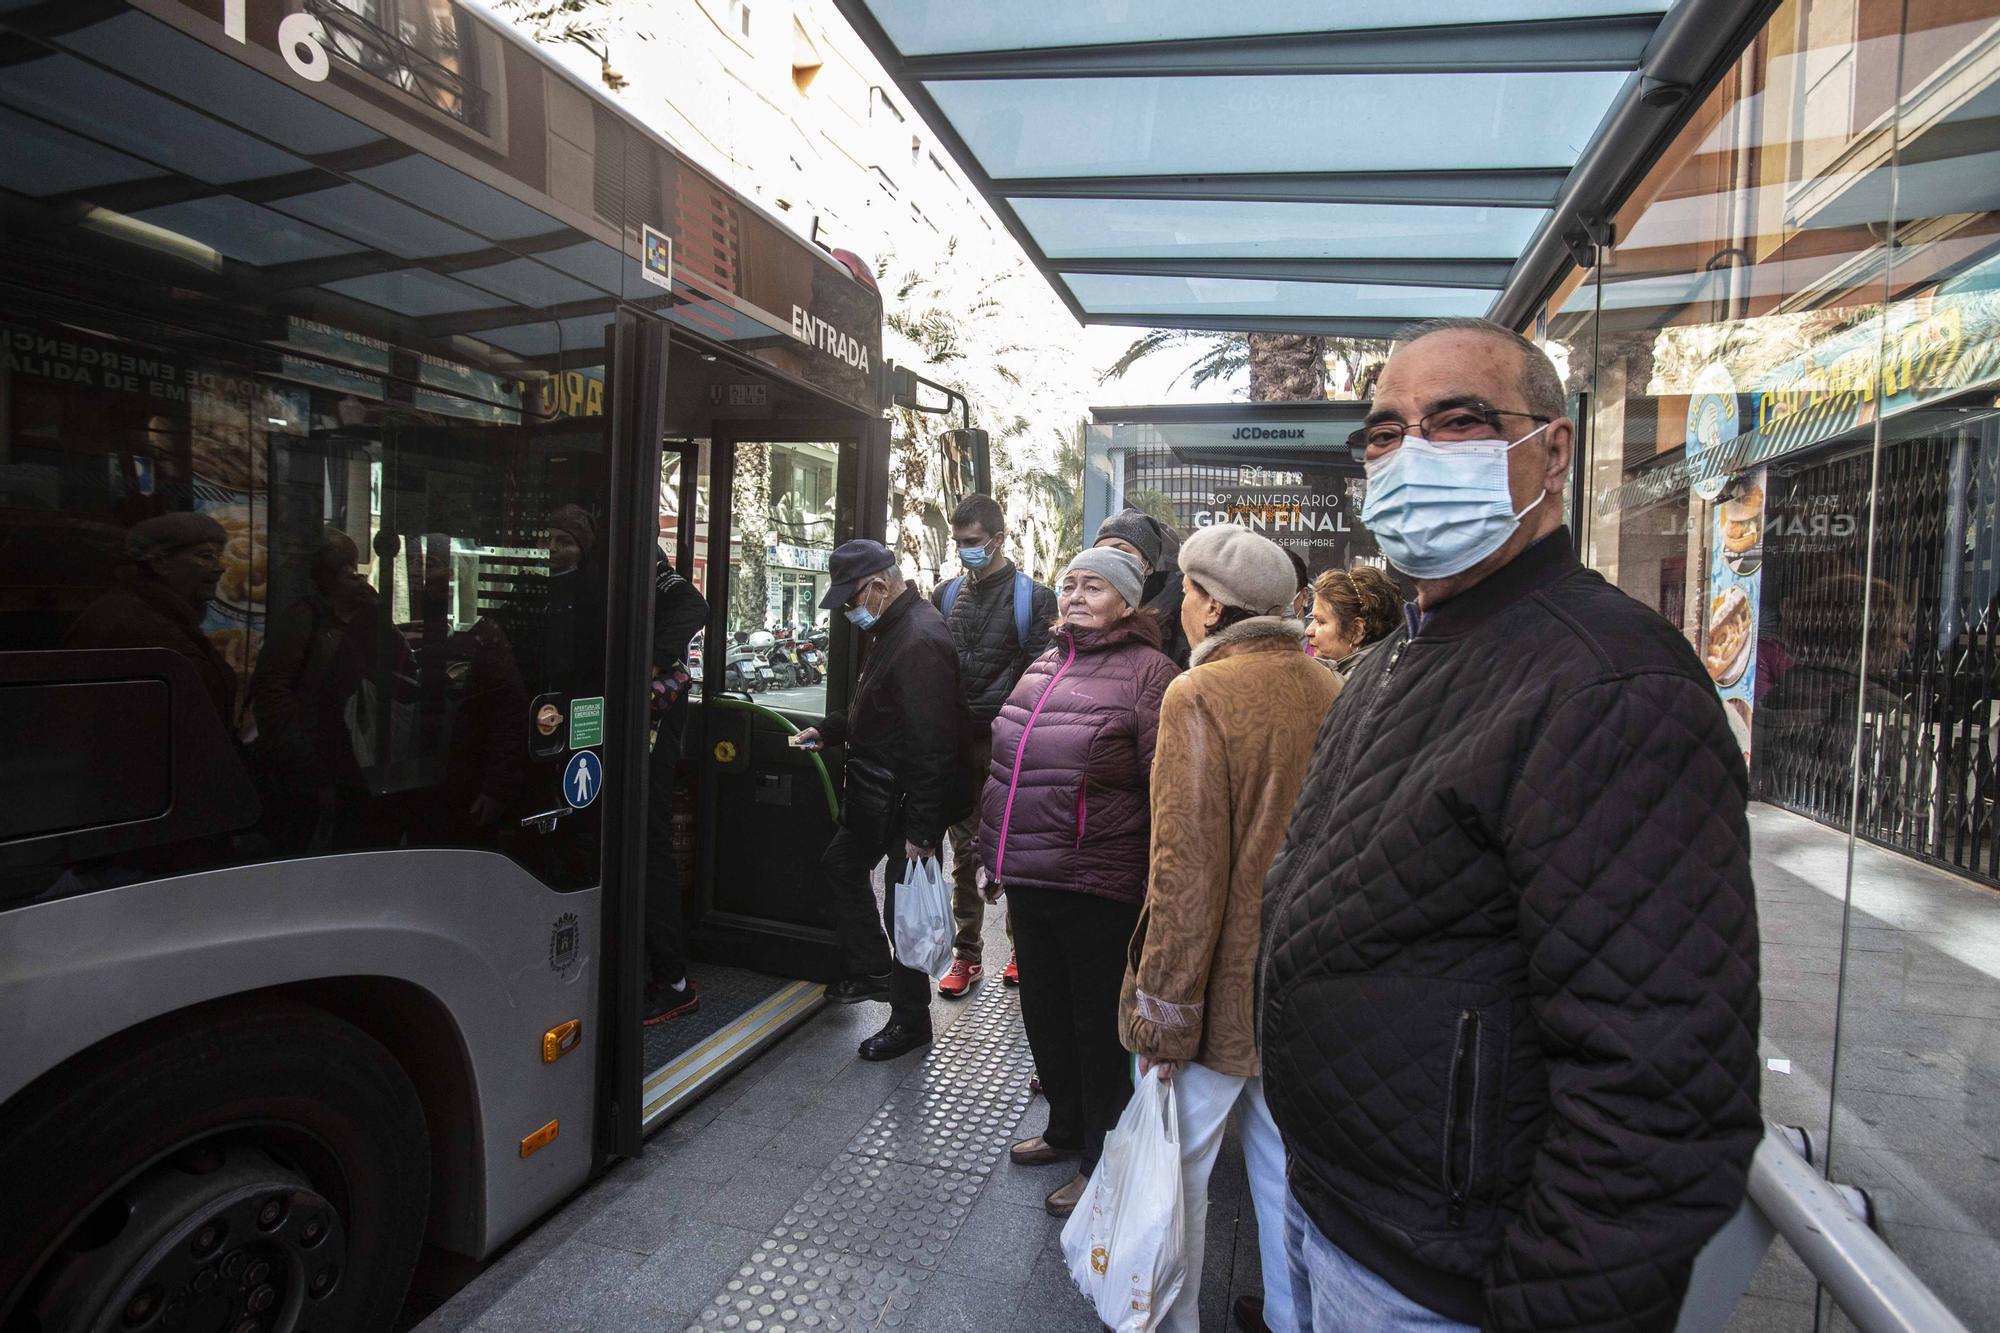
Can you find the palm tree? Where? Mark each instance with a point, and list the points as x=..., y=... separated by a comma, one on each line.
x=1283, y=367
x=1286, y=367
x=1217, y=357
x=1054, y=503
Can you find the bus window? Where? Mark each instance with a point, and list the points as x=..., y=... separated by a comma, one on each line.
x=357, y=567
x=784, y=532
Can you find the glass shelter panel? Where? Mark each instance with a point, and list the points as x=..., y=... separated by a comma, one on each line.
x=1400, y=122
x=1791, y=353
x=922, y=27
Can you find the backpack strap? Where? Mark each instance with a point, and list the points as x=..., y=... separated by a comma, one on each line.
x=950, y=598
x=1024, y=605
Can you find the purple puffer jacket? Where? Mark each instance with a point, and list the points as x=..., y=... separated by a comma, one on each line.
x=1066, y=803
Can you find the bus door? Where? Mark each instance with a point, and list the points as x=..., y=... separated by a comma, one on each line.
x=750, y=512
x=780, y=663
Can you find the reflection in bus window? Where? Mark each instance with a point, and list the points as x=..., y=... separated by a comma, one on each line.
x=358, y=572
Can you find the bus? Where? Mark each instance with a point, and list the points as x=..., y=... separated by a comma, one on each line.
x=323, y=889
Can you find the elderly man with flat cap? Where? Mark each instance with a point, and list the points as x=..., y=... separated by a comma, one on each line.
x=173, y=564
x=907, y=732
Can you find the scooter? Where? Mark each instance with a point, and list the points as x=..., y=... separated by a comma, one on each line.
x=789, y=657
x=744, y=670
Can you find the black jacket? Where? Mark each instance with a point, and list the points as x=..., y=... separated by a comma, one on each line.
x=139, y=612
x=1163, y=594
x=1508, y=1002
x=679, y=612
x=908, y=716
x=990, y=657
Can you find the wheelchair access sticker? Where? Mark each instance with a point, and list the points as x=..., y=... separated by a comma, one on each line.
x=582, y=779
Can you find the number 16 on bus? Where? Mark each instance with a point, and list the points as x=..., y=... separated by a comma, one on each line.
x=301, y=39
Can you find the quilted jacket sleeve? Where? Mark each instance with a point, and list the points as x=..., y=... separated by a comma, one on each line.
x=1188, y=885
x=1628, y=837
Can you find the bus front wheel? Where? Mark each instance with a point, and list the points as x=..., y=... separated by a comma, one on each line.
x=228, y=1170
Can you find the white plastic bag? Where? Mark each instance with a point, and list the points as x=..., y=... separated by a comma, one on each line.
x=1123, y=1242
x=923, y=918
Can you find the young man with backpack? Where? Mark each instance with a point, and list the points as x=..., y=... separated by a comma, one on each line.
x=999, y=620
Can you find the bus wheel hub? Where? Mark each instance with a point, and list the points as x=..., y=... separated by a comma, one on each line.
x=220, y=1240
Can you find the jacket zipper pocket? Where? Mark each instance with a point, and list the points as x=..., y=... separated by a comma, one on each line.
x=1458, y=1184
x=1082, y=809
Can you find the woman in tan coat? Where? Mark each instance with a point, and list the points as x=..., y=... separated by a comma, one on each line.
x=1236, y=735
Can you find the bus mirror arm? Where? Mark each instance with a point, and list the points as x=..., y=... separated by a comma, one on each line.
x=544, y=822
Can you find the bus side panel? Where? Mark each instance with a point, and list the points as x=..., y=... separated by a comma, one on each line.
x=507, y=958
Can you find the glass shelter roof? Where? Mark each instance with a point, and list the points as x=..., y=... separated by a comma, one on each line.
x=1333, y=166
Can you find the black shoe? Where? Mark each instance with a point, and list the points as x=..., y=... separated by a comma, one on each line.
x=853, y=990
x=664, y=1003
x=896, y=1038
x=1249, y=1312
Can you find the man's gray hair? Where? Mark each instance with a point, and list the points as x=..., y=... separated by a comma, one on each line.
x=1541, y=387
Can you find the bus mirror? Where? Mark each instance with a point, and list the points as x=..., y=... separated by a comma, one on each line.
x=968, y=460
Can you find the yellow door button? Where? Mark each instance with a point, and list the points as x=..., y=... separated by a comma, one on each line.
x=540, y=1139
x=560, y=1040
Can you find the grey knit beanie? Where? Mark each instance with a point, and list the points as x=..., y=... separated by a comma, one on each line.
x=1139, y=528
x=1239, y=568
x=1116, y=568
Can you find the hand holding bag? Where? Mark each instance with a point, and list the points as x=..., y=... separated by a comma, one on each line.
x=1124, y=1241
x=923, y=918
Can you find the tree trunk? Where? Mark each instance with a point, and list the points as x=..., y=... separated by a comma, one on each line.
x=1287, y=367
x=749, y=592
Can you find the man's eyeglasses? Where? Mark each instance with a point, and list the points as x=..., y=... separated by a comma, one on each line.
x=1444, y=426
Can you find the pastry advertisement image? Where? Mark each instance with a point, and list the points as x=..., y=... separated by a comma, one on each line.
x=1735, y=583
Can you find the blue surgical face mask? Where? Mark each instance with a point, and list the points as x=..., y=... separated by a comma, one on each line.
x=975, y=557
x=860, y=617
x=1439, y=509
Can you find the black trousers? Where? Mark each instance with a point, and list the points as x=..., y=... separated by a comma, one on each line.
x=666, y=934
x=843, y=872
x=1071, y=948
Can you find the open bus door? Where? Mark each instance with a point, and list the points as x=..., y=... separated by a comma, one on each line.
x=751, y=511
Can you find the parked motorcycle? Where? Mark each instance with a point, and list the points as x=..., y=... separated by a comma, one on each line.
x=792, y=660
x=744, y=669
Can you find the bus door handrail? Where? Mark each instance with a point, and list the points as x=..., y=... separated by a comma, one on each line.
x=1869, y=1281
x=791, y=728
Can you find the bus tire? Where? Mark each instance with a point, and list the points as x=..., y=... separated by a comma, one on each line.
x=237, y=1164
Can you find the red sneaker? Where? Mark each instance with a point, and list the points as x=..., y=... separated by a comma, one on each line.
x=1011, y=974
x=954, y=984
x=663, y=1004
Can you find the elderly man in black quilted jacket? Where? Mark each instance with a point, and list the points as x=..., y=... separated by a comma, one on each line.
x=1509, y=990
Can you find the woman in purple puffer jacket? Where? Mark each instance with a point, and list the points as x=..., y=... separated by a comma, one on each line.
x=1064, y=829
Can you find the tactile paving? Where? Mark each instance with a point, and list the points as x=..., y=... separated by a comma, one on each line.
x=958, y=1125
x=786, y=1286
x=881, y=1209
x=853, y=1252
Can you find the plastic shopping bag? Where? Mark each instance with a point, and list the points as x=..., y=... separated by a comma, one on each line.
x=1123, y=1242
x=923, y=918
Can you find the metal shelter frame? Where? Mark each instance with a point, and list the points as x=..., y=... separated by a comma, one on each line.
x=1668, y=61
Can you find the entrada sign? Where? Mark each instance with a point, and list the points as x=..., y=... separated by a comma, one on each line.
x=810, y=328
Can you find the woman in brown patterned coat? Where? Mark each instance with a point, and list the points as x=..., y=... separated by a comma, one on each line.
x=1236, y=735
